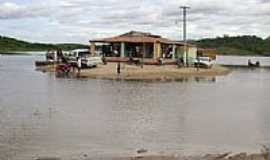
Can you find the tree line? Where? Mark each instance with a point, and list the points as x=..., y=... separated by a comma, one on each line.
x=8, y=44
x=237, y=45
x=226, y=45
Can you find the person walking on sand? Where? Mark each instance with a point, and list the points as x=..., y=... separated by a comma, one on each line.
x=79, y=65
x=118, y=68
x=198, y=63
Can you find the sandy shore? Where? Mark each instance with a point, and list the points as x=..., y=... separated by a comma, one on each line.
x=148, y=72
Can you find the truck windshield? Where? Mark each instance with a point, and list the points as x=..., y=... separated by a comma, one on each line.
x=83, y=54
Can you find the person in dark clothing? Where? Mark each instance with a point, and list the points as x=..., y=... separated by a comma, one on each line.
x=104, y=60
x=79, y=65
x=118, y=68
x=180, y=62
x=60, y=55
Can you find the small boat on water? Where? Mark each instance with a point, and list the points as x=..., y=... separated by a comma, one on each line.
x=44, y=63
x=52, y=57
x=250, y=64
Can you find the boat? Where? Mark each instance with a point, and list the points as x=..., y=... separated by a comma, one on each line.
x=44, y=63
x=52, y=57
x=250, y=64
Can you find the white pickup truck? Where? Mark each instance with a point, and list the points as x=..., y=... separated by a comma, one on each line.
x=87, y=59
x=206, y=62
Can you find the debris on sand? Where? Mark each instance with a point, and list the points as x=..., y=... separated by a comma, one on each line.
x=48, y=158
x=140, y=151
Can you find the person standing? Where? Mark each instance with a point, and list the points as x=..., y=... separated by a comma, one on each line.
x=115, y=52
x=79, y=65
x=118, y=68
x=55, y=57
x=198, y=63
x=60, y=56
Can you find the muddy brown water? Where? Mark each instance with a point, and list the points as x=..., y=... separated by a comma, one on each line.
x=45, y=116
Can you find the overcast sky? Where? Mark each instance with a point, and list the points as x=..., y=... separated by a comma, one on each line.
x=81, y=20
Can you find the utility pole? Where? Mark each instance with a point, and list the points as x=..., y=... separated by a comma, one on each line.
x=185, y=8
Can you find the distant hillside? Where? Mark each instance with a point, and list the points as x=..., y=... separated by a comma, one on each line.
x=239, y=45
x=226, y=45
x=11, y=44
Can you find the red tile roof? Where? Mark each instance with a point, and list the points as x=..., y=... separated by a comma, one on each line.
x=137, y=37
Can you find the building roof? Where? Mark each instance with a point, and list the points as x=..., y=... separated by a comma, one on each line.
x=133, y=37
x=138, y=37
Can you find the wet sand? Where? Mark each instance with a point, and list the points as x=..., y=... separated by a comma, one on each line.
x=224, y=156
x=148, y=72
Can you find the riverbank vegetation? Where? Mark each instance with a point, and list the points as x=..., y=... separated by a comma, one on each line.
x=8, y=44
x=238, y=45
x=226, y=45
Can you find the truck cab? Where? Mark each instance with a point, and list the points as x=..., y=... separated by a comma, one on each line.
x=87, y=59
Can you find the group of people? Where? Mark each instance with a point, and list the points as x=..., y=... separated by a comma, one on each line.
x=55, y=55
x=64, y=66
x=114, y=51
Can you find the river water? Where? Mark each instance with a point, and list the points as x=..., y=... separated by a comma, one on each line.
x=242, y=60
x=41, y=115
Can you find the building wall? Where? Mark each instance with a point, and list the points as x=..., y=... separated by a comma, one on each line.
x=180, y=53
x=157, y=50
x=192, y=52
x=93, y=48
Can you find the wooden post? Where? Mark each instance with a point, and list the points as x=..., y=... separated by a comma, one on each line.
x=174, y=52
x=93, y=49
x=143, y=54
x=157, y=50
x=122, y=51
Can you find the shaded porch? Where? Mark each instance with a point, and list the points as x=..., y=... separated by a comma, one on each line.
x=154, y=50
x=143, y=45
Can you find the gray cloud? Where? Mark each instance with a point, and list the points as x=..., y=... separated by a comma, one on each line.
x=92, y=19
x=9, y=10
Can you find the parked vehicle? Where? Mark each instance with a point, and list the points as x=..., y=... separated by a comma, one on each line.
x=206, y=62
x=91, y=61
x=74, y=54
x=87, y=59
x=51, y=55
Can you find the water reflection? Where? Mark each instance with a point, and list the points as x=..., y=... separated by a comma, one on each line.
x=203, y=79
